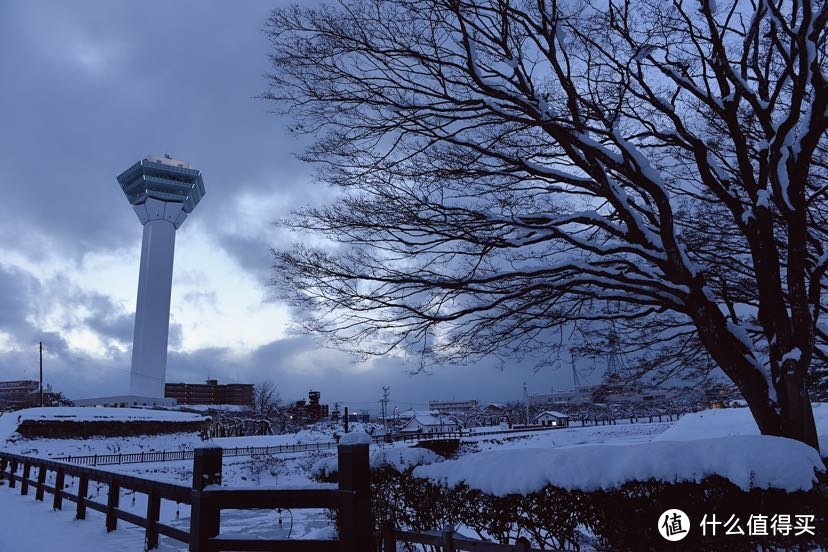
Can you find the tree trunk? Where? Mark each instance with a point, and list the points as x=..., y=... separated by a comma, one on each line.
x=797, y=419
x=791, y=415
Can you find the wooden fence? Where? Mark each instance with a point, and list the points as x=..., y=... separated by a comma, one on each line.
x=207, y=498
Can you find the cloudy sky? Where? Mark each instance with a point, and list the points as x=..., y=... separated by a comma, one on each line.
x=88, y=88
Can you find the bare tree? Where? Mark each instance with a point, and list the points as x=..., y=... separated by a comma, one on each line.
x=266, y=400
x=508, y=167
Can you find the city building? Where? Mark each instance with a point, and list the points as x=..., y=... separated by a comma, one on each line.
x=579, y=395
x=125, y=401
x=24, y=394
x=163, y=191
x=210, y=392
x=312, y=410
x=453, y=406
x=429, y=423
x=552, y=418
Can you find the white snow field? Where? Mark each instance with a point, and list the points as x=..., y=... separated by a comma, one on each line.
x=725, y=422
x=30, y=526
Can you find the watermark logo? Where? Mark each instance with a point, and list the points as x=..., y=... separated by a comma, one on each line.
x=673, y=525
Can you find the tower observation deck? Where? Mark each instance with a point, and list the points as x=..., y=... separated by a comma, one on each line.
x=163, y=191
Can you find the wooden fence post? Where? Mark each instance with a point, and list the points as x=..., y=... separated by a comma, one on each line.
x=41, y=480
x=205, y=517
x=112, y=501
x=448, y=539
x=389, y=542
x=57, y=502
x=12, y=474
x=356, y=524
x=83, y=491
x=153, y=513
x=24, y=484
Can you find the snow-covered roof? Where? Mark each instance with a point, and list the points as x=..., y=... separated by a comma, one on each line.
x=553, y=413
x=431, y=420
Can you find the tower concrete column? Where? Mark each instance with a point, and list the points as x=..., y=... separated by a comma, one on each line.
x=152, y=311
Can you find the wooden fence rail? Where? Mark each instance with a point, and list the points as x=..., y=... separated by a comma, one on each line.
x=206, y=497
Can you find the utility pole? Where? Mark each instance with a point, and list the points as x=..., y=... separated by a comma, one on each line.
x=526, y=402
x=41, y=374
x=385, y=408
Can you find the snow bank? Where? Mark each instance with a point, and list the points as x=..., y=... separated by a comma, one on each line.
x=725, y=422
x=8, y=425
x=355, y=438
x=84, y=414
x=398, y=458
x=747, y=461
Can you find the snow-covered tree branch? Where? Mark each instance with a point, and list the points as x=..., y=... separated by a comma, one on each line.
x=508, y=167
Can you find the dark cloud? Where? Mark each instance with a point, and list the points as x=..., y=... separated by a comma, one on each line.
x=97, y=86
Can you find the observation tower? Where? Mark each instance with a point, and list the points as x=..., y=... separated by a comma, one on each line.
x=163, y=191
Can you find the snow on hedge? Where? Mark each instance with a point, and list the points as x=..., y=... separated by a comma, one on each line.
x=398, y=458
x=723, y=422
x=355, y=438
x=747, y=461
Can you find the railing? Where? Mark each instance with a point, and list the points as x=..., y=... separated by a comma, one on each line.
x=449, y=541
x=207, y=498
x=173, y=455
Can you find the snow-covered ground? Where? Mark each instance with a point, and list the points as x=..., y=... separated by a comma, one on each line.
x=719, y=441
x=734, y=421
x=29, y=526
x=14, y=442
x=723, y=442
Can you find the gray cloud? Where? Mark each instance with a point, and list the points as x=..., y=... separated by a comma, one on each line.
x=96, y=86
